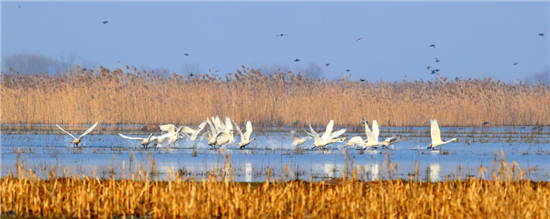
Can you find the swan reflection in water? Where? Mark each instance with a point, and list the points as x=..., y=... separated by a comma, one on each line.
x=248, y=172
x=372, y=171
x=434, y=172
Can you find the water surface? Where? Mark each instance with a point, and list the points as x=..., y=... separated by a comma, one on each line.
x=103, y=154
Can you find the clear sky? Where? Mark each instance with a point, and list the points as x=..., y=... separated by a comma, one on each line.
x=472, y=39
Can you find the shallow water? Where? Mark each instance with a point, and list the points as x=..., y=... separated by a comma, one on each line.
x=105, y=154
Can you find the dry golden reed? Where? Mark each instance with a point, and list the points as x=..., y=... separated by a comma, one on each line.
x=279, y=99
x=502, y=196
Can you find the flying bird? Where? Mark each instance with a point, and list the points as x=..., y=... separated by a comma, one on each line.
x=328, y=137
x=362, y=80
x=515, y=63
x=282, y=34
x=372, y=137
x=436, y=135
x=433, y=45
x=428, y=67
x=144, y=141
x=327, y=64
x=19, y=6
x=348, y=70
x=105, y=22
x=485, y=123
x=436, y=60
x=360, y=38
x=76, y=140
x=186, y=54
x=541, y=34
x=245, y=138
x=296, y=60
x=296, y=140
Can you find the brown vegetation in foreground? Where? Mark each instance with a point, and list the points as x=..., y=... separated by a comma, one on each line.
x=282, y=99
x=505, y=195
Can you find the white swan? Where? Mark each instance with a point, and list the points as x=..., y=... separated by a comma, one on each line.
x=370, y=141
x=216, y=127
x=393, y=140
x=172, y=137
x=296, y=140
x=436, y=135
x=221, y=139
x=144, y=141
x=186, y=131
x=357, y=140
x=211, y=134
x=76, y=141
x=388, y=141
x=245, y=138
x=328, y=137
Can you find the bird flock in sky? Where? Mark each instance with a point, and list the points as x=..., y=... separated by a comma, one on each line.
x=430, y=68
x=220, y=133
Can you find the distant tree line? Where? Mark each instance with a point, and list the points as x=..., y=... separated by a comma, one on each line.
x=26, y=63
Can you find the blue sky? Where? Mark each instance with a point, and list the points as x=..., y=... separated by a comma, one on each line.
x=473, y=39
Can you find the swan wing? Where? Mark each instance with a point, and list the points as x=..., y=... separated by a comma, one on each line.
x=294, y=135
x=435, y=132
x=196, y=133
x=217, y=124
x=370, y=137
x=314, y=134
x=391, y=139
x=310, y=134
x=395, y=140
x=167, y=128
x=328, y=131
x=65, y=131
x=228, y=125
x=239, y=131
x=211, y=125
x=248, y=130
x=206, y=136
x=375, y=130
x=167, y=135
x=153, y=138
x=188, y=130
x=357, y=140
x=336, y=134
x=131, y=138
x=88, y=131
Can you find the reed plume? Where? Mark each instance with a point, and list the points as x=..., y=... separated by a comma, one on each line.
x=278, y=99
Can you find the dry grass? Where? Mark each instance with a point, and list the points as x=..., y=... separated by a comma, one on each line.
x=505, y=195
x=282, y=99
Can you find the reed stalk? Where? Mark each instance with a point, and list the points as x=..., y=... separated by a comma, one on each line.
x=279, y=99
x=504, y=195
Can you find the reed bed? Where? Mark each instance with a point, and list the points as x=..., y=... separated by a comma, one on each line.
x=505, y=195
x=129, y=96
